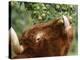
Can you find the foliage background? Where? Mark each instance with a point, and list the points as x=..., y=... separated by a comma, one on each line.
x=26, y=14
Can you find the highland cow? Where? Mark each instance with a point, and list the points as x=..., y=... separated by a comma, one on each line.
x=47, y=39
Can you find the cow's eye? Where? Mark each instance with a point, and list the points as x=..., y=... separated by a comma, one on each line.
x=37, y=40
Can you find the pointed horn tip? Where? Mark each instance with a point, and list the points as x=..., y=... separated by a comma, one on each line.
x=69, y=17
x=64, y=16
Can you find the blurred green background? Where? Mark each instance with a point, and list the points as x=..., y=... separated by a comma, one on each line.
x=26, y=14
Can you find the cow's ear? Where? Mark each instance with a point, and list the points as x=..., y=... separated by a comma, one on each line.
x=60, y=21
x=56, y=22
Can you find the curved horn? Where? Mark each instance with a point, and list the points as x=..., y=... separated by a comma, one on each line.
x=68, y=27
x=66, y=23
x=15, y=45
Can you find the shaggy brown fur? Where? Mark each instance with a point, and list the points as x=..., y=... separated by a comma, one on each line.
x=46, y=39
